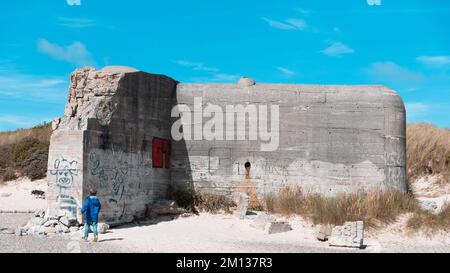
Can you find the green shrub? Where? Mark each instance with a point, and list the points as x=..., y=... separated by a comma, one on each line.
x=185, y=198
x=27, y=157
x=213, y=203
x=7, y=174
x=31, y=155
x=35, y=166
x=196, y=201
x=5, y=156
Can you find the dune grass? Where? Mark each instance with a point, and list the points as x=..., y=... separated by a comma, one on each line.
x=40, y=132
x=374, y=207
x=428, y=151
x=430, y=222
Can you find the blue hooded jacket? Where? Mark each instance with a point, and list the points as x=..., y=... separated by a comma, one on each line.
x=91, y=209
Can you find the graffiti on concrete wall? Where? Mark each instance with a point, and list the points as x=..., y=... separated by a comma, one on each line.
x=111, y=176
x=118, y=174
x=67, y=203
x=64, y=171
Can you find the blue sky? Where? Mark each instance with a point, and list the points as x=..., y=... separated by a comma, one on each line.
x=402, y=44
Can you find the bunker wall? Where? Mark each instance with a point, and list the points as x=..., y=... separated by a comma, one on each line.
x=331, y=139
x=116, y=129
x=117, y=136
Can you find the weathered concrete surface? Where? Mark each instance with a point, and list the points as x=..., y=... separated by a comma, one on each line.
x=263, y=221
x=242, y=205
x=428, y=205
x=331, y=139
x=324, y=232
x=351, y=234
x=270, y=225
x=105, y=139
x=278, y=227
x=65, y=172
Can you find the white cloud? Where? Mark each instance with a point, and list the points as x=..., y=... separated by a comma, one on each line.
x=73, y=2
x=337, y=49
x=429, y=111
x=417, y=109
x=218, y=78
x=390, y=71
x=7, y=66
x=75, y=53
x=286, y=72
x=75, y=22
x=297, y=23
x=34, y=88
x=223, y=77
x=289, y=24
x=434, y=61
x=214, y=74
x=14, y=121
x=374, y=2
x=304, y=11
x=196, y=66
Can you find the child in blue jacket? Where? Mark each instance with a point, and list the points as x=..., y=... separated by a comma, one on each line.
x=91, y=209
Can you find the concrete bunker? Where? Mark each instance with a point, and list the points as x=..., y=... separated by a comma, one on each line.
x=118, y=135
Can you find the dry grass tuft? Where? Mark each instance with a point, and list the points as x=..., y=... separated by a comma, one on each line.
x=374, y=207
x=197, y=201
x=428, y=151
x=40, y=132
x=213, y=203
x=430, y=222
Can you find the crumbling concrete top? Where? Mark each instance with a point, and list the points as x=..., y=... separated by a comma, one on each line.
x=93, y=94
x=248, y=82
x=119, y=69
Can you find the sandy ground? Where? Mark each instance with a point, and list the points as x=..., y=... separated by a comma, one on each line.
x=16, y=195
x=396, y=237
x=219, y=233
x=66, y=243
x=215, y=233
x=427, y=188
x=225, y=233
